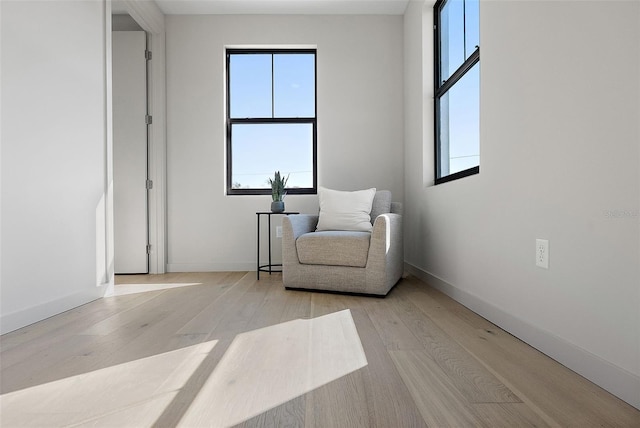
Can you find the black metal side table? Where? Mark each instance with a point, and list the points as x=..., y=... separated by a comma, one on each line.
x=268, y=267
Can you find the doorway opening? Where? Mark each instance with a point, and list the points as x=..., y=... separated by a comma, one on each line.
x=131, y=120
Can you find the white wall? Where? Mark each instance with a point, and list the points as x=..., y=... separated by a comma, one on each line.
x=54, y=148
x=559, y=159
x=360, y=128
x=123, y=22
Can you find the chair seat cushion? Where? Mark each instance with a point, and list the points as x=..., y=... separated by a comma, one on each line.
x=334, y=248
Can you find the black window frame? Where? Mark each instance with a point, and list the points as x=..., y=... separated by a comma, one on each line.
x=441, y=88
x=270, y=120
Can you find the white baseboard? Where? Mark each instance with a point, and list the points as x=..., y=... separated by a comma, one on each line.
x=616, y=380
x=211, y=267
x=22, y=318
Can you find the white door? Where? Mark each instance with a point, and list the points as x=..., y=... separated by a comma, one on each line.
x=130, y=152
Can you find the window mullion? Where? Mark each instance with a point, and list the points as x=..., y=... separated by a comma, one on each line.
x=464, y=28
x=273, y=120
x=461, y=71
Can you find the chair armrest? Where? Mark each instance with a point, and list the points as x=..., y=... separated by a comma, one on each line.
x=298, y=224
x=386, y=251
x=387, y=228
x=292, y=227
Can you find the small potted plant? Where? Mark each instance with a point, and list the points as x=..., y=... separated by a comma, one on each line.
x=278, y=184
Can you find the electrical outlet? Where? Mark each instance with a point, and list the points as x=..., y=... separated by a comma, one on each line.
x=542, y=253
x=278, y=231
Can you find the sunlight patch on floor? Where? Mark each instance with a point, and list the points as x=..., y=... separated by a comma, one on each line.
x=124, y=289
x=270, y=366
x=130, y=394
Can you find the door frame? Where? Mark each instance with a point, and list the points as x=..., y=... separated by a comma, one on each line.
x=151, y=19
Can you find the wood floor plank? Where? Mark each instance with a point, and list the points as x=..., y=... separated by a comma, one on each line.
x=557, y=394
x=209, y=317
x=439, y=402
x=287, y=415
x=137, y=391
x=233, y=313
x=471, y=378
x=271, y=308
x=344, y=400
x=266, y=367
x=40, y=367
x=508, y=415
x=298, y=305
x=175, y=411
x=141, y=337
x=238, y=314
x=387, y=398
x=281, y=306
x=157, y=337
x=159, y=303
x=41, y=335
x=391, y=329
x=341, y=403
x=152, y=354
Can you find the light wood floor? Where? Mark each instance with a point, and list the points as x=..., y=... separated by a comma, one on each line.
x=221, y=349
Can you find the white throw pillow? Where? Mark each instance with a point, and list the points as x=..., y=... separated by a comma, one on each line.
x=345, y=210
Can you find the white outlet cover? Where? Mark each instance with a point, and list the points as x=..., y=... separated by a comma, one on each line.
x=542, y=253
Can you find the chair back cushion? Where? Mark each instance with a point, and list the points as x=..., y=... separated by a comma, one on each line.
x=340, y=210
x=381, y=204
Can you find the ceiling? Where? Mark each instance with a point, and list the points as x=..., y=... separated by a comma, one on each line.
x=283, y=7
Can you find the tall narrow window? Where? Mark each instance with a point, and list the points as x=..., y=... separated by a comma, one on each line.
x=271, y=120
x=457, y=89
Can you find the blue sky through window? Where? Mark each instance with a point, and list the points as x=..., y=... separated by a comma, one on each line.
x=250, y=86
x=261, y=149
x=294, y=85
x=464, y=122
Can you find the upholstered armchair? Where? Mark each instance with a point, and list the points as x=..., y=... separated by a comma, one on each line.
x=345, y=260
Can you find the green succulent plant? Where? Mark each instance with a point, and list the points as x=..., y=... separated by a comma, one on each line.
x=278, y=184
